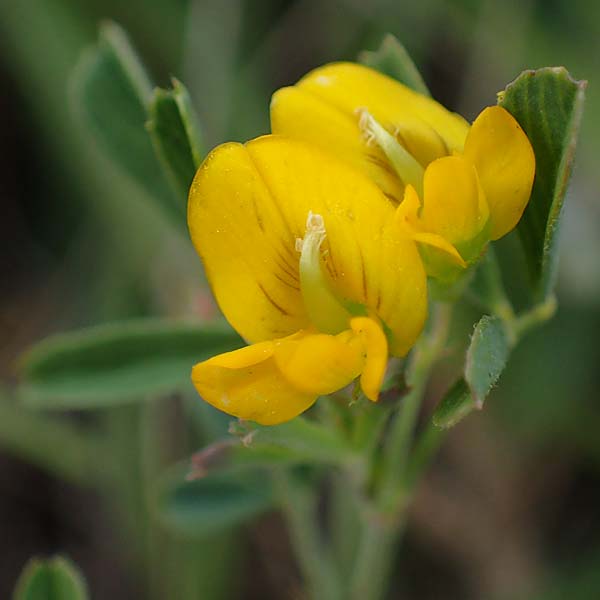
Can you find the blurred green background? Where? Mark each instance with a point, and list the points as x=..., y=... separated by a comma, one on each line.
x=511, y=508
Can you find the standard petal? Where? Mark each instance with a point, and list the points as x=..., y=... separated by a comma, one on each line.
x=423, y=126
x=248, y=384
x=299, y=114
x=368, y=262
x=248, y=206
x=505, y=163
x=246, y=245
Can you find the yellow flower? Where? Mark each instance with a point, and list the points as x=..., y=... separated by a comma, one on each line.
x=308, y=263
x=466, y=184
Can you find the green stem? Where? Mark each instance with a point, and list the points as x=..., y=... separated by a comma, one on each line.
x=345, y=521
x=299, y=503
x=538, y=314
x=369, y=421
x=374, y=556
x=382, y=525
x=396, y=451
x=497, y=302
x=425, y=449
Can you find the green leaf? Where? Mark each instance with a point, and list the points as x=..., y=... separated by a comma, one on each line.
x=454, y=406
x=392, y=59
x=175, y=133
x=485, y=361
x=215, y=502
x=111, y=92
x=53, y=579
x=548, y=104
x=114, y=363
x=486, y=357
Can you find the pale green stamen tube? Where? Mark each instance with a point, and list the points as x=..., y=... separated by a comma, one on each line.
x=323, y=308
x=406, y=166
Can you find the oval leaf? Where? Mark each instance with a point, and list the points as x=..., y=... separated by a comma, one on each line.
x=110, y=364
x=548, y=105
x=111, y=91
x=486, y=357
x=53, y=579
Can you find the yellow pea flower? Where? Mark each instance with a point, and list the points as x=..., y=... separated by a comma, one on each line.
x=465, y=184
x=307, y=262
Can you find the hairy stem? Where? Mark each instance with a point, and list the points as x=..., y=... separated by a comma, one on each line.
x=382, y=524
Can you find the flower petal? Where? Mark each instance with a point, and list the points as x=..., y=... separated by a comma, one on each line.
x=407, y=217
x=369, y=262
x=505, y=163
x=299, y=114
x=246, y=246
x=271, y=382
x=376, y=351
x=398, y=284
x=248, y=384
x=319, y=363
x=454, y=204
x=425, y=128
x=249, y=204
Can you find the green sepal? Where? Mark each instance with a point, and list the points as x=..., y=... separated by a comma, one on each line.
x=548, y=104
x=392, y=59
x=448, y=277
x=441, y=270
x=51, y=579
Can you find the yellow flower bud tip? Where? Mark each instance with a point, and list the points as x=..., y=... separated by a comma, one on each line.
x=406, y=166
x=323, y=308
